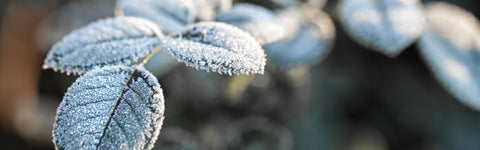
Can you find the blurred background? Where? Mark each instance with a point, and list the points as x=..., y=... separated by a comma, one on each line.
x=355, y=99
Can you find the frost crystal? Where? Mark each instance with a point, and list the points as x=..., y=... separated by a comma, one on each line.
x=111, y=41
x=313, y=42
x=388, y=26
x=261, y=23
x=217, y=47
x=170, y=15
x=451, y=47
x=114, y=107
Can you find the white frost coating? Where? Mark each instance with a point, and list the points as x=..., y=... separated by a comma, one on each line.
x=260, y=22
x=206, y=9
x=110, y=108
x=387, y=26
x=217, y=47
x=111, y=41
x=453, y=62
x=170, y=15
x=311, y=44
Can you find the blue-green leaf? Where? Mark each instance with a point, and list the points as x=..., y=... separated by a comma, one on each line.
x=387, y=26
x=217, y=47
x=207, y=9
x=450, y=45
x=311, y=44
x=111, y=41
x=259, y=22
x=171, y=15
x=114, y=107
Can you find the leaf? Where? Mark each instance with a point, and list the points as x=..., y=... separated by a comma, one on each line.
x=114, y=107
x=311, y=44
x=259, y=22
x=217, y=47
x=170, y=15
x=208, y=8
x=387, y=26
x=111, y=41
x=450, y=46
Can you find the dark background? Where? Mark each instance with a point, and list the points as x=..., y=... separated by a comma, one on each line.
x=356, y=99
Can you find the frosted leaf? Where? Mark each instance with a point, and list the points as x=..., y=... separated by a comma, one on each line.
x=217, y=47
x=170, y=15
x=111, y=41
x=260, y=22
x=387, y=26
x=206, y=9
x=114, y=107
x=312, y=43
x=450, y=46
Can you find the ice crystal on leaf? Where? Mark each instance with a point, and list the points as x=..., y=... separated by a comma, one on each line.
x=170, y=15
x=260, y=22
x=114, y=107
x=450, y=45
x=388, y=26
x=111, y=41
x=217, y=47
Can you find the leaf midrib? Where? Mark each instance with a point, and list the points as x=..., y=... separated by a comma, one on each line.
x=117, y=102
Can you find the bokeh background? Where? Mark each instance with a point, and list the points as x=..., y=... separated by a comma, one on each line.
x=355, y=99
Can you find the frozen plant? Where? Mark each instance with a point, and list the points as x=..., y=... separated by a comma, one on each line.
x=116, y=103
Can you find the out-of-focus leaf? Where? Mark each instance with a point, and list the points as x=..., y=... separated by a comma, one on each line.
x=387, y=26
x=450, y=45
x=206, y=9
x=217, y=47
x=285, y=3
x=291, y=20
x=312, y=43
x=259, y=22
x=70, y=17
x=114, y=107
x=171, y=15
x=111, y=41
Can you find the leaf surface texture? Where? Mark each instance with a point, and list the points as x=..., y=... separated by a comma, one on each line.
x=111, y=41
x=114, y=107
x=217, y=47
